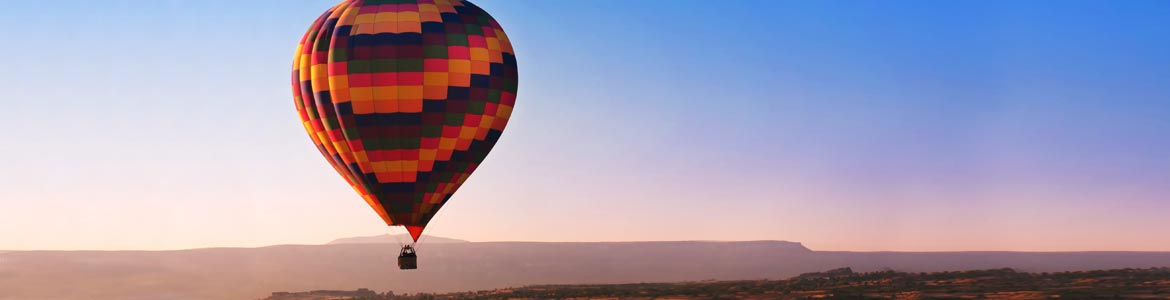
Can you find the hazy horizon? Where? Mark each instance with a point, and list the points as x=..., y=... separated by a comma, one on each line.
x=424, y=243
x=852, y=126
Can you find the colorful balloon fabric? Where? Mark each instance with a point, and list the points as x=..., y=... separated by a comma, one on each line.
x=405, y=98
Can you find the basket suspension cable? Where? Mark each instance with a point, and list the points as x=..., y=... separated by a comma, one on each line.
x=396, y=236
x=420, y=240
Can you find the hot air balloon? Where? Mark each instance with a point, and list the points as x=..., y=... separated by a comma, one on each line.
x=405, y=98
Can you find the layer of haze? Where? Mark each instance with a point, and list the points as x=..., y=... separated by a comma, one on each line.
x=845, y=125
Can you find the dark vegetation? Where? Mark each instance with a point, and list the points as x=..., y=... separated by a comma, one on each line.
x=1151, y=283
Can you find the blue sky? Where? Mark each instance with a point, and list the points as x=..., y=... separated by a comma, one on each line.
x=846, y=125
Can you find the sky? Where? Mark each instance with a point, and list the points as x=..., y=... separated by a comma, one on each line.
x=844, y=125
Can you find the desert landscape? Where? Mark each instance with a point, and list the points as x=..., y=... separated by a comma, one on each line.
x=651, y=149
x=451, y=265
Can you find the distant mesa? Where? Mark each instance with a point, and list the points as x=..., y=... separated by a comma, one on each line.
x=394, y=239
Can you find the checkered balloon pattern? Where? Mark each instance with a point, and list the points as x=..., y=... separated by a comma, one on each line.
x=405, y=98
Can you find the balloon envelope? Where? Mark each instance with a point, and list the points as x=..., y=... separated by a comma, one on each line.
x=405, y=98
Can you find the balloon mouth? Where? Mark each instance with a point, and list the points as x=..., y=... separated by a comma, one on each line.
x=415, y=231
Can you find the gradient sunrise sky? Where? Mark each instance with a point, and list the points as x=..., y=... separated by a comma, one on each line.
x=845, y=125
